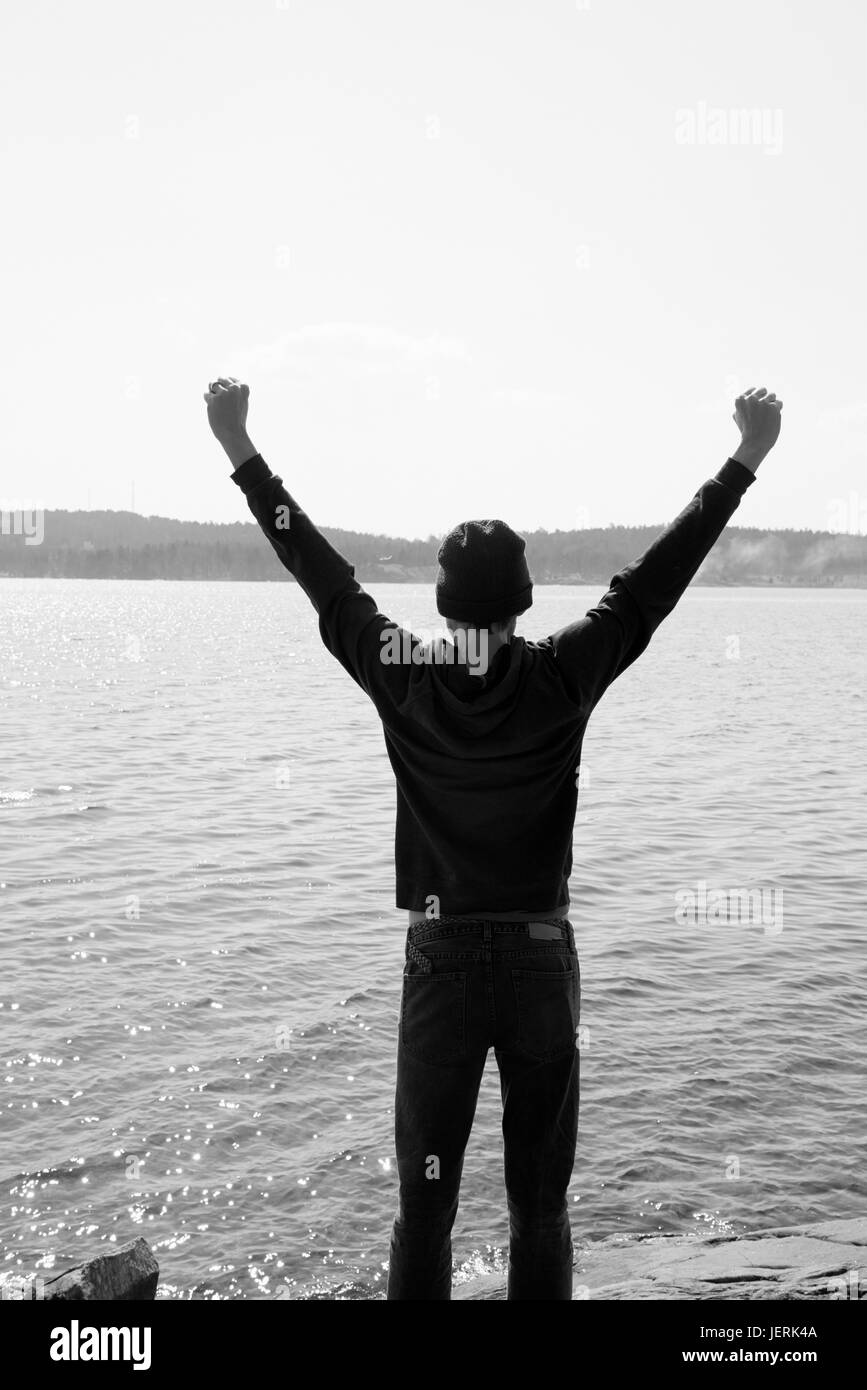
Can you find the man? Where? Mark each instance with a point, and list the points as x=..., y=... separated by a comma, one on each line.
x=484, y=739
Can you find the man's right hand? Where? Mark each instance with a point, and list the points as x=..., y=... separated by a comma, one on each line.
x=757, y=416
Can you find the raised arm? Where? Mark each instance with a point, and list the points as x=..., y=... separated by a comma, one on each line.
x=349, y=621
x=599, y=647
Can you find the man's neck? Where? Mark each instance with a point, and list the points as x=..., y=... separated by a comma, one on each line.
x=494, y=644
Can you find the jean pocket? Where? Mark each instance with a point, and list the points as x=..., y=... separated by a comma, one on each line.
x=433, y=1017
x=548, y=1006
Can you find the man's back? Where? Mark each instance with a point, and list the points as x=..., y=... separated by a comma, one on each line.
x=486, y=783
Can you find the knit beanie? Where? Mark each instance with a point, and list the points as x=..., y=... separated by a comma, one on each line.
x=483, y=576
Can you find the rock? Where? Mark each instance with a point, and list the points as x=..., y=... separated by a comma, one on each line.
x=130, y=1272
x=827, y=1259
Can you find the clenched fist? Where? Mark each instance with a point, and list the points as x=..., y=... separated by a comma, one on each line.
x=757, y=416
x=227, y=399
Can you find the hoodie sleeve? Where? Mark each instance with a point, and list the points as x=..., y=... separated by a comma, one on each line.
x=350, y=623
x=596, y=649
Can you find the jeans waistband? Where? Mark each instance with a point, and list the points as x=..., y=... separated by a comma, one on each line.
x=554, y=929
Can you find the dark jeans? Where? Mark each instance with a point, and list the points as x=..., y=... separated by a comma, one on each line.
x=469, y=986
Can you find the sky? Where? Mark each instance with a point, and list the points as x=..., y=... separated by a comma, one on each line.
x=473, y=258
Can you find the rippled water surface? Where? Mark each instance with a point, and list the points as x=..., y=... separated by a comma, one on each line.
x=201, y=960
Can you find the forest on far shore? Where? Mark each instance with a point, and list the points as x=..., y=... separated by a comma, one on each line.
x=125, y=545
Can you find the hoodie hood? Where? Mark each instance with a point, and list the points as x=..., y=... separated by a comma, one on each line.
x=444, y=696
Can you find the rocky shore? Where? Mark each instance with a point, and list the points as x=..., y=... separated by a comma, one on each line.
x=820, y=1261
x=826, y=1260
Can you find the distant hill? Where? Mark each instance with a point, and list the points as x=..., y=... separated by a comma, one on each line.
x=124, y=545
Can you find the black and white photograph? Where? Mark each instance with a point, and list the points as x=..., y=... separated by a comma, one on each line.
x=433, y=601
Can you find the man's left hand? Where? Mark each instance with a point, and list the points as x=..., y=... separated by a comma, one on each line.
x=227, y=399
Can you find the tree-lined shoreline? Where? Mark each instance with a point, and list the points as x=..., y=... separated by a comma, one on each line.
x=125, y=545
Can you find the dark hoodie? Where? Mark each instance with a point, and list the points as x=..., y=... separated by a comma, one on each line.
x=486, y=775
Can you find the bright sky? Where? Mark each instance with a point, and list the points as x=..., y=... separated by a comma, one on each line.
x=475, y=257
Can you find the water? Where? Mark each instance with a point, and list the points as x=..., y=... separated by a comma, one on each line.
x=201, y=960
